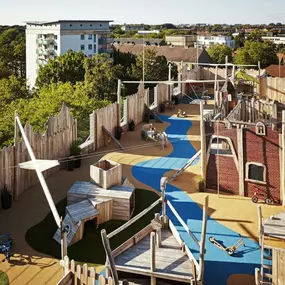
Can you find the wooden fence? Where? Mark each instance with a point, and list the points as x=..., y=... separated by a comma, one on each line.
x=272, y=88
x=53, y=144
x=82, y=275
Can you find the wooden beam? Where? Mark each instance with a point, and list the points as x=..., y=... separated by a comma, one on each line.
x=111, y=136
x=163, y=182
x=203, y=143
x=152, y=257
x=138, y=216
x=203, y=238
x=108, y=251
x=186, y=228
x=240, y=160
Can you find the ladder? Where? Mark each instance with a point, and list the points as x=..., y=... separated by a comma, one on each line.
x=266, y=264
x=186, y=165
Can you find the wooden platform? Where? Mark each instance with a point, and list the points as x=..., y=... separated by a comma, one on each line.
x=275, y=226
x=170, y=259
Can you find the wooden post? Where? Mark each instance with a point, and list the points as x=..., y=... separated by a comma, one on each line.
x=203, y=143
x=194, y=272
x=283, y=160
x=158, y=231
x=203, y=238
x=118, y=105
x=274, y=116
x=215, y=86
x=119, y=90
x=259, y=213
x=163, y=182
x=16, y=130
x=240, y=160
x=152, y=257
x=108, y=251
x=257, y=276
x=63, y=242
x=15, y=149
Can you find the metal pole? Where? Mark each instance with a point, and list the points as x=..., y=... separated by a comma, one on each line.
x=218, y=162
x=119, y=90
x=40, y=174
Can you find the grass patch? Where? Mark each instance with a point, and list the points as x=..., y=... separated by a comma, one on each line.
x=90, y=249
x=4, y=280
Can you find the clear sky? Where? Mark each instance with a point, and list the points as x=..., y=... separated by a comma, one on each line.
x=145, y=11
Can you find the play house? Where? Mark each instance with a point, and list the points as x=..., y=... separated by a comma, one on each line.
x=108, y=196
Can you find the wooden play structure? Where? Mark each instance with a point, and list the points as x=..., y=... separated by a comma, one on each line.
x=271, y=230
x=77, y=274
x=155, y=249
x=105, y=198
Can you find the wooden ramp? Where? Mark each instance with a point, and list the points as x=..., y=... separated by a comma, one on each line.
x=170, y=261
x=112, y=137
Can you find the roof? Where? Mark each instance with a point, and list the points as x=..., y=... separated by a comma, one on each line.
x=171, y=53
x=63, y=21
x=138, y=41
x=274, y=69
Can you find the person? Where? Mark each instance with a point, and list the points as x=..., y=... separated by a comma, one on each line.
x=152, y=131
x=164, y=140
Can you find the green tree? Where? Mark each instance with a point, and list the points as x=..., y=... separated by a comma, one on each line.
x=68, y=67
x=254, y=52
x=219, y=52
x=101, y=77
x=255, y=36
x=239, y=41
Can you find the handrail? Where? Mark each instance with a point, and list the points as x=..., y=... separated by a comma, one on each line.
x=135, y=218
x=182, y=223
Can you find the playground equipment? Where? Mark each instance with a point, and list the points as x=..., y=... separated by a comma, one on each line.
x=257, y=194
x=6, y=245
x=181, y=114
x=149, y=132
x=231, y=249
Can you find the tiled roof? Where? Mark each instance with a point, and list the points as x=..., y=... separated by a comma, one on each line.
x=274, y=69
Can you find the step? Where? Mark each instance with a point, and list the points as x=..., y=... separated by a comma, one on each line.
x=267, y=257
x=269, y=267
x=267, y=275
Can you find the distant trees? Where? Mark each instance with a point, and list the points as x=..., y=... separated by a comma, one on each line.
x=219, y=52
x=254, y=52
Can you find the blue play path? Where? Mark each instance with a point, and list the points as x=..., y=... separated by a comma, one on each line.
x=219, y=266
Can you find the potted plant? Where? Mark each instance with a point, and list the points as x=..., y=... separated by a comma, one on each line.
x=118, y=132
x=201, y=183
x=6, y=198
x=131, y=125
x=75, y=152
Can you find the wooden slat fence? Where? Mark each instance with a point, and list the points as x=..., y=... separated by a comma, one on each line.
x=272, y=88
x=53, y=144
x=82, y=275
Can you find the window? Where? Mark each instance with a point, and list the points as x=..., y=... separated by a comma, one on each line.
x=220, y=146
x=260, y=129
x=256, y=172
x=89, y=37
x=55, y=47
x=82, y=37
x=82, y=47
x=55, y=37
x=90, y=47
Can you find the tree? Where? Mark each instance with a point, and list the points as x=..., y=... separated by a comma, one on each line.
x=254, y=52
x=68, y=67
x=219, y=52
x=155, y=67
x=101, y=77
x=255, y=36
x=239, y=40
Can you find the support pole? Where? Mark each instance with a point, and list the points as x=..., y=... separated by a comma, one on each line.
x=240, y=160
x=119, y=91
x=203, y=143
x=163, y=182
x=40, y=174
x=215, y=87
x=259, y=213
x=158, y=231
x=152, y=257
x=110, y=258
x=16, y=130
x=257, y=276
x=203, y=238
x=283, y=160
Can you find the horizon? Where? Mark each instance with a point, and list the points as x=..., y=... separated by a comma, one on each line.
x=150, y=13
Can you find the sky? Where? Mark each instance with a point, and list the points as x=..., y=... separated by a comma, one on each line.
x=145, y=11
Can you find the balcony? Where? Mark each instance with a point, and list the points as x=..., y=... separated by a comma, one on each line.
x=109, y=51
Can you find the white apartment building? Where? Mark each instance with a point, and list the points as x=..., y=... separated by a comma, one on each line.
x=207, y=41
x=275, y=39
x=48, y=40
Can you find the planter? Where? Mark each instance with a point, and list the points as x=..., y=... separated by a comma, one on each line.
x=132, y=126
x=6, y=199
x=118, y=132
x=77, y=162
x=70, y=163
x=161, y=108
x=146, y=118
x=201, y=186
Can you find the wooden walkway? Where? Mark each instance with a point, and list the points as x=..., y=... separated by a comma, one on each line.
x=169, y=259
x=275, y=226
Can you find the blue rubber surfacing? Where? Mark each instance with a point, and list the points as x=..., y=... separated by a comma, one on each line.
x=219, y=266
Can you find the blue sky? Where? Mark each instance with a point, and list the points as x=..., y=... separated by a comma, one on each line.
x=145, y=11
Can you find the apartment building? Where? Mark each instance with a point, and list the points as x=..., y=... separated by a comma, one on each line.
x=207, y=41
x=129, y=28
x=275, y=39
x=48, y=40
x=181, y=40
